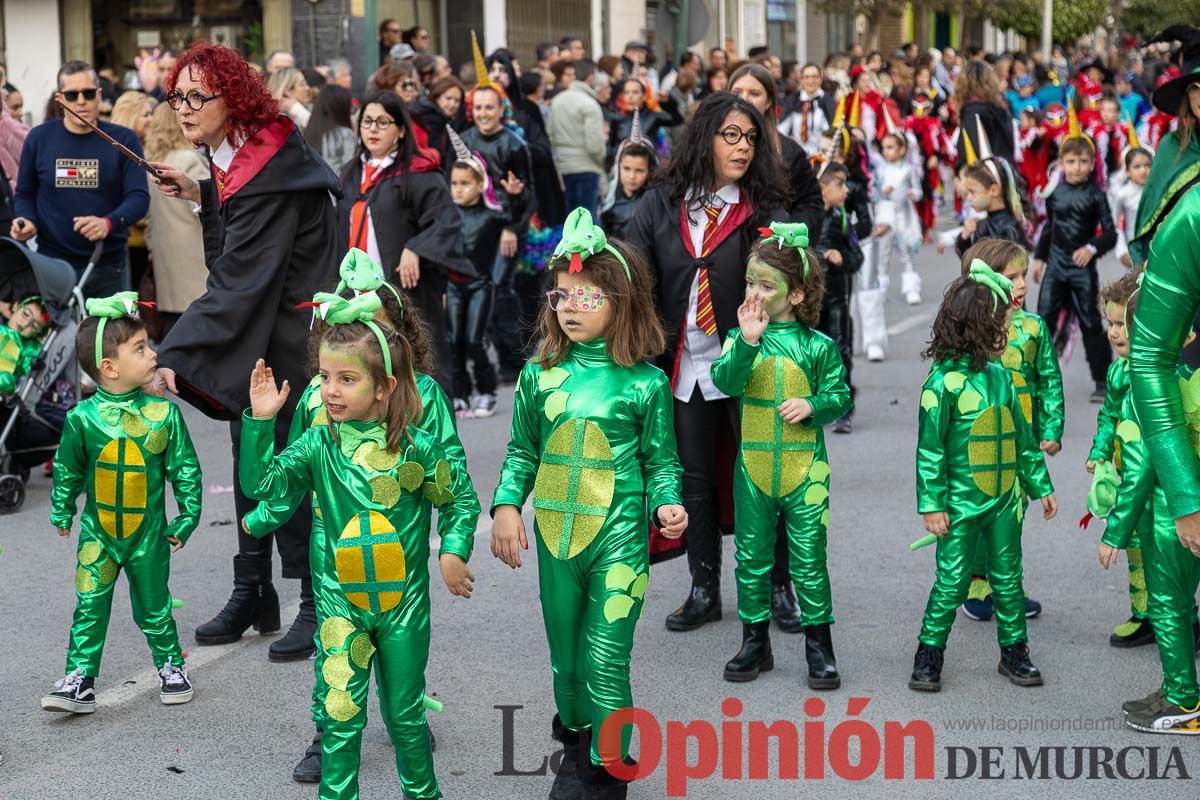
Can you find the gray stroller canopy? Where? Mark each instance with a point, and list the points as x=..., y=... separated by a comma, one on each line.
x=24, y=272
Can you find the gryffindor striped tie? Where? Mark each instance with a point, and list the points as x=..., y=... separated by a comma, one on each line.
x=706, y=320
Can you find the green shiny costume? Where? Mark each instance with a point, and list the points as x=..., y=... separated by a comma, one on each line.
x=782, y=469
x=16, y=357
x=1107, y=446
x=1141, y=514
x=594, y=442
x=975, y=455
x=1033, y=364
x=378, y=502
x=121, y=450
x=1172, y=172
x=1167, y=304
x=437, y=419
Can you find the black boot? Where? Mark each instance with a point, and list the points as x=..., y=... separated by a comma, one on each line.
x=755, y=655
x=703, y=605
x=818, y=650
x=598, y=784
x=1016, y=666
x=299, y=643
x=568, y=785
x=309, y=768
x=253, y=603
x=927, y=668
x=784, y=608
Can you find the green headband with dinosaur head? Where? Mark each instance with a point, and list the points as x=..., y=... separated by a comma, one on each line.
x=334, y=309
x=581, y=240
x=121, y=304
x=360, y=273
x=1000, y=286
x=789, y=234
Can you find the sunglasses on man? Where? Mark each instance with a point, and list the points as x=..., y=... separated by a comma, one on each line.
x=71, y=95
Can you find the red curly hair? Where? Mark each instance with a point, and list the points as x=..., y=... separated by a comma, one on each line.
x=251, y=107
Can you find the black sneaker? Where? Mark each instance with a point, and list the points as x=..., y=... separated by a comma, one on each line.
x=1134, y=633
x=72, y=693
x=927, y=669
x=1098, y=393
x=1141, y=705
x=174, y=686
x=309, y=768
x=484, y=406
x=1162, y=716
x=842, y=424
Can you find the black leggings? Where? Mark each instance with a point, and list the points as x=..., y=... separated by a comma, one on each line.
x=469, y=309
x=836, y=321
x=1076, y=289
x=697, y=426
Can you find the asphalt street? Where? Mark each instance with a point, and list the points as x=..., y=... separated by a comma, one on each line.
x=248, y=723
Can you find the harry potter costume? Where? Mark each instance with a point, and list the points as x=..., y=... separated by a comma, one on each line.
x=270, y=242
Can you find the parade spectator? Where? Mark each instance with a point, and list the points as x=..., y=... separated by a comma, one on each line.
x=74, y=189
x=340, y=73
x=574, y=47
x=389, y=37
x=133, y=110
x=176, y=237
x=547, y=54
x=577, y=133
x=290, y=90
x=277, y=60
x=809, y=112
x=977, y=94
x=330, y=130
x=417, y=38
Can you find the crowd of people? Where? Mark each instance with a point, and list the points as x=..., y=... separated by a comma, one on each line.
x=667, y=265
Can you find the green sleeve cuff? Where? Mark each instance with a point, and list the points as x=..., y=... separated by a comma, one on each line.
x=455, y=545
x=1177, y=469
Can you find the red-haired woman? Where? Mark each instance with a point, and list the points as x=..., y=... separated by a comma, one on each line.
x=270, y=241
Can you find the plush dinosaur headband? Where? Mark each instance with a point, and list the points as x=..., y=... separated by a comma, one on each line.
x=581, y=239
x=789, y=234
x=334, y=309
x=117, y=306
x=997, y=284
x=360, y=273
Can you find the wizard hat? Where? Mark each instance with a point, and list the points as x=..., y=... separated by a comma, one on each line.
x=1170, y=96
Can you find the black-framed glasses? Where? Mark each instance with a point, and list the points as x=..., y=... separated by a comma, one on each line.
x=71, y=95
x=382, y=123
x=392, y=30
x=733, y=134
x=408, y=86
x=195, y=101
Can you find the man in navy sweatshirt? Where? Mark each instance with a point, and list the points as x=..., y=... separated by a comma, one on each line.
x=75, y=189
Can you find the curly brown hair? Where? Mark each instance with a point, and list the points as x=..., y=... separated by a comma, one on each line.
x=996, y=253
x=788, y=261
x=970, y=323
x=635, y=331
x=1122, y=292
x=224, y=72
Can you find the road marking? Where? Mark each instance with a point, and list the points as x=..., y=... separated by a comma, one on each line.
x=908, y=323
x=135, y=685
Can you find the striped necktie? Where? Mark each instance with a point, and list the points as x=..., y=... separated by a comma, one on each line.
x=706, y=320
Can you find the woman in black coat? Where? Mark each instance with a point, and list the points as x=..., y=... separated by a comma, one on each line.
x=977, y=93
x=397, y=208
x=721, y=162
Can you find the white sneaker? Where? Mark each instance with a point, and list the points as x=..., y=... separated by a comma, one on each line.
x=913, y=298
x=484, y=406
x=875, y=353
x=174, y=686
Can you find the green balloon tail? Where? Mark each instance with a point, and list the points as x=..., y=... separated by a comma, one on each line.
x=176, y=602
x=433, y=705
x=924, y=541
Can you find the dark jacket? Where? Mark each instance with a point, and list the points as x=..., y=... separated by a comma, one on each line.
x=481, y=229
x=656, y=230
x=996, y=225
x=411, y=210
x=838, y=234
x=1073, y=212
x=806, y=205
x=652, y=122
x=504, y=151
x=615, y=221
x=997, y=124
x=426, y=113
x=858, y=206
x=270, y=242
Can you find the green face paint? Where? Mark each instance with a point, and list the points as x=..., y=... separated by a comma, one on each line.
x=771, y=285
x=347, y=388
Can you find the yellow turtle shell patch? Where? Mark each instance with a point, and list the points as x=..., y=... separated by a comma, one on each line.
x=574, y=487
x=370, y=562
x=777, y=455
x=1024, y=396
x=992, y=451
x=120, y=476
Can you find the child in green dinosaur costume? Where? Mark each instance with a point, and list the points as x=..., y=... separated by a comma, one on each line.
x=358, y=273
x=121, y=447
x=20, y=341
x=1032, y=362
x=374, y=474
x=975, y=455
x=593, y=440
x=1106, y=460
x=792, y=381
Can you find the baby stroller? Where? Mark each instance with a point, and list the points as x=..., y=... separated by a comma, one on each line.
x=24, y=272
